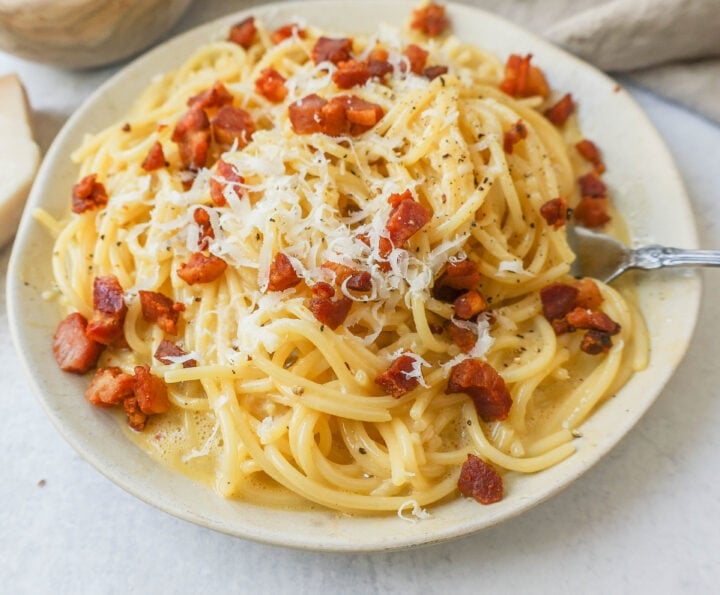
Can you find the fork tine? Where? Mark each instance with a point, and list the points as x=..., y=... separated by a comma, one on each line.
x=597, y=255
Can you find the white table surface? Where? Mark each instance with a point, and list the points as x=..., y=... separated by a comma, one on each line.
x=643, y=520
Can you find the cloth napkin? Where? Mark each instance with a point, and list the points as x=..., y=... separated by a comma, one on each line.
x=670, y=46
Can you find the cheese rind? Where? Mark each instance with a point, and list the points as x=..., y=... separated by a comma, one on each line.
x=19, y=155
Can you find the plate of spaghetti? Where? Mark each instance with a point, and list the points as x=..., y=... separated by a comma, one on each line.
x=301, y=275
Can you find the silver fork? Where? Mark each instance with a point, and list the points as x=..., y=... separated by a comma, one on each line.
x=605, y=258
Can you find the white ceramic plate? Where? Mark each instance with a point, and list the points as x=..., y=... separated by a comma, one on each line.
x=646, y=187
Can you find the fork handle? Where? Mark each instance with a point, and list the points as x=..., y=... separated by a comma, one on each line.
x=655, y=257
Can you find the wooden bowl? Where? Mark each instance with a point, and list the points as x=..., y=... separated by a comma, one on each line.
x=84, y=33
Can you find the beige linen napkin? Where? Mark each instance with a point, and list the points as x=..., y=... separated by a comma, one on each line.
x=669, y=46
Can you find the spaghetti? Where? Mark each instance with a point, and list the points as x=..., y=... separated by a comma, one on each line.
x=387, y=232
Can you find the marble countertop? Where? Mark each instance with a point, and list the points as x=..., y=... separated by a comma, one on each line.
x=642, y=520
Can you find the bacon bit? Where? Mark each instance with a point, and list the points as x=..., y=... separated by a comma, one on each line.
x=480, y=481
x=384, y=248
x=73, y=350
x=351, y=73
x=151, y=392
x=202, y=218
x=592, y=185
x=88, y=194
x=332, y=50
x=315, y=114
x=517, y=132
x=379, y=68
x=395, y=199
x=344, y=114
x=363, y=114
x=522, y=79
x=109, y=309
x=360, y=282
x=592, y=212
x=406, y=218
x=109, y=387
x=231, y=124
x=215, y=96
x=435, y=328
x=464, y=338
x=201, y=268
x=484, y=385
x=589, y=295
x=192, y=135
x=155, y=158
x=225, y=175
x=417, y=58
x=555, y=212
x=188, y=178
x=429, y=19
x=356, y=280
x=160, y=309
x=464, y=274
x=396, y=381
x=167, y=350
x=432, y=72
x=286, y=31
x=243, y=33
x=378, y=63
x=591, y=153
x=282, y=274
x=562, y=326
x=340, y=271
x=136, y=418
x=329, y=311
x=378, y=54
x=271, y=85
x=587, y=319
x=595, y=342
x=584, y=316
x=333, y=118
x=306, y=114
x=469, y=304
x=560, y=112
x=557, y=300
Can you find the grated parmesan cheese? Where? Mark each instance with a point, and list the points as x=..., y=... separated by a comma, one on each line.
x=416, y=514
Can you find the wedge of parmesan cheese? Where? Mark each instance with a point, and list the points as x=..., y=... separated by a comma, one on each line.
x=19, y=155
